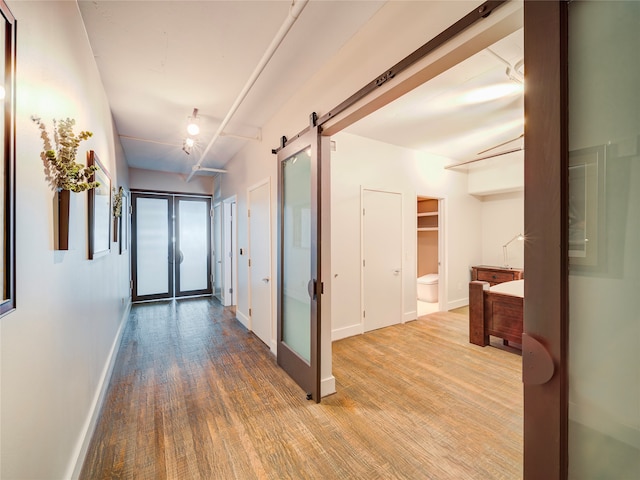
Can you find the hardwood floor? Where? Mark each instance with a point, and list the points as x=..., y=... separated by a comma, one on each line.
x=195, y=395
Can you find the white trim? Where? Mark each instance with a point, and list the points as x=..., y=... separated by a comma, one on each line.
x=409, y=316
x=229, y=205
x=89, y=427
x=242, y=318
x=462, y=302
x=344, y=332
x=327, y=386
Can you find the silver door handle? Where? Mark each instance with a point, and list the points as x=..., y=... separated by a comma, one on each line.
x=265, y=279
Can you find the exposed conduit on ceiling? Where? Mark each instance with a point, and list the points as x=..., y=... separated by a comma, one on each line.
x=294, y=12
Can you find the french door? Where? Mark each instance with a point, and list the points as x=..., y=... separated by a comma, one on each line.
x=171, y=246
x=299, y=279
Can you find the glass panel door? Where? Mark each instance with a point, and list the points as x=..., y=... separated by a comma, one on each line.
x=604, y=236
x=170, y=253
x=152, y=255
x=298, y=262
x=193, y=238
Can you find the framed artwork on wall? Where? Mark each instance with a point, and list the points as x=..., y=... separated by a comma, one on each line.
x=586, y=208
x=99, y=209
x=124, y=224
x=7, y=159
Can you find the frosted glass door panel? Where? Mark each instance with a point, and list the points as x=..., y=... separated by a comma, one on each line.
x=152, y=264
x=296, y=303
x=604, y=236
x=193, y=245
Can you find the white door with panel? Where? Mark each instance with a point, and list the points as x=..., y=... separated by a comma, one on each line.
x=217, y=251
x=381, y=259
x=260, y=261
x=229, y=249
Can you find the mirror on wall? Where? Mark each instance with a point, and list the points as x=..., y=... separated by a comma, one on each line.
x=7, y=194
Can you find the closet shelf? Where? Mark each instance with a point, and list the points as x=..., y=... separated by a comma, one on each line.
x=428, y=214
x=427, y=229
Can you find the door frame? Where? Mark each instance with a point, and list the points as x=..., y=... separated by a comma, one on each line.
x=176, y=213
x=266, y=181
x=362, y=245
x=229, y=245
x=443, y=290
x=217, y=252
x=173, y=274
x=134, y=247
x=546, y=247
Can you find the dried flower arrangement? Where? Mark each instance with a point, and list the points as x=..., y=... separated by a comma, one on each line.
x=117, y=201
x=62, y=169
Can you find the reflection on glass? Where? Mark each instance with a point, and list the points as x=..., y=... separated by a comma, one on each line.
x=3, y=172
x=604, y=304
x=153, y=239
x=296, y=274
x=193, y=216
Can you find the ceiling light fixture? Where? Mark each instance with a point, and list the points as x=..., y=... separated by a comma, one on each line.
x=187, y=145
x=492, y=92
x=193, y=127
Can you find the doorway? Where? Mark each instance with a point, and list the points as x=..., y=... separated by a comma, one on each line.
x=217, y=251
x=428, y=254
x=171, y=245
x=229, y=249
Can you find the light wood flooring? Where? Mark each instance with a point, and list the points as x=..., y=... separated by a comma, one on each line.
x=195, y=395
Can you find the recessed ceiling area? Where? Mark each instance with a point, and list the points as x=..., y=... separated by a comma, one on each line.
x=460, y=114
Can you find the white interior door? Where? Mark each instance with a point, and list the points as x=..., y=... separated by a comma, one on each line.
x=382, y=258
x=228, y=248
x=260, y=261
x=217, y=251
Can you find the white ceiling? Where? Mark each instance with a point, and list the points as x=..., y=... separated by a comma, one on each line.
x=438, y=118
x=161, y=59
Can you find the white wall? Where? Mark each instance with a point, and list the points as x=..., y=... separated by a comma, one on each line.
x=363, y=163
x=502, y=219
x=57, y=344
x=497, y=175
x=170, y=182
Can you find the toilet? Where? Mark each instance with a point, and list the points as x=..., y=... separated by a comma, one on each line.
x=428, y=288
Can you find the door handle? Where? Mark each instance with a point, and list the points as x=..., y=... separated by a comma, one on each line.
x=181, y=257
x=538, y=366
x=265, y=279
x=396, y=271
x=311, y=288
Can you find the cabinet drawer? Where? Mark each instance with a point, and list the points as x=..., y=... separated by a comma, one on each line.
x=494, y=277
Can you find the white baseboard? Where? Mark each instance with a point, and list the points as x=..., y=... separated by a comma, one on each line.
x=242, y=318
x=327, y=386
x=344, y=332
x=89, y=427
x=462, y=302
x=409, y=316
x=274, y=347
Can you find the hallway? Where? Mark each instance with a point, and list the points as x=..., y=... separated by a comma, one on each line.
x=194, y=395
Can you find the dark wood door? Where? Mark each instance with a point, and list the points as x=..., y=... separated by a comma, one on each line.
x=299, y=282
